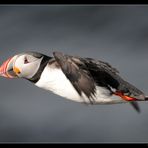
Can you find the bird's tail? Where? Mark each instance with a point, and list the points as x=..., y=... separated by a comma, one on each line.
x=136, y=106
x=146, y=98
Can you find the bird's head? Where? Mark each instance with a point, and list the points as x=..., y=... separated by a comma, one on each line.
x=24, y=65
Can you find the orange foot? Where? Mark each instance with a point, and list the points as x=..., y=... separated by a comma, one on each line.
x=126, y=98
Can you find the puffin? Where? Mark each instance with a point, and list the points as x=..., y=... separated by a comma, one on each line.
x=80, y=79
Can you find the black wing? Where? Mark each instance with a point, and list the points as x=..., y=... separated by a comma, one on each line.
x=107, y=76
x=84, y=73
x=80, y=78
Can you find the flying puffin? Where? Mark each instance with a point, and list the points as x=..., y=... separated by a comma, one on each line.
x=84, y=80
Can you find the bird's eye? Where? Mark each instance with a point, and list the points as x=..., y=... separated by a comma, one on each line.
x=26, y=60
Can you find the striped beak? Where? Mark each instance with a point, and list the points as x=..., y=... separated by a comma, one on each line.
x=6, y=69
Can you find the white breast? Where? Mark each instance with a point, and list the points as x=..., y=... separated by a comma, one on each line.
x=54, y=80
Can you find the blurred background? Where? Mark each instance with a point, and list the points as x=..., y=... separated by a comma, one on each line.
x=115, y=34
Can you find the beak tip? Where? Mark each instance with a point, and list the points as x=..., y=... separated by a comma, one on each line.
x=3, y=69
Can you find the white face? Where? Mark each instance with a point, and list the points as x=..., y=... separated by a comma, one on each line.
x=26, y=66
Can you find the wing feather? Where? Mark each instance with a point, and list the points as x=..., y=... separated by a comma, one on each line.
x=80, y=78
x=86, y=73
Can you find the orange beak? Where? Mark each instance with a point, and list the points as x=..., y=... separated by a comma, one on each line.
x=6, y=69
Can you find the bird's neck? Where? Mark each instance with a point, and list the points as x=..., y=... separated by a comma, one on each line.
x=43, y=64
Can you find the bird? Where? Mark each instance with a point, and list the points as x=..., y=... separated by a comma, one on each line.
x=80, y=79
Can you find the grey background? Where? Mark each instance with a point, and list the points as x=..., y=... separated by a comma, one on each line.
x=116, y=34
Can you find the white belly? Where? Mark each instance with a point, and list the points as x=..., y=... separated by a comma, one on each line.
x=54, y=80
